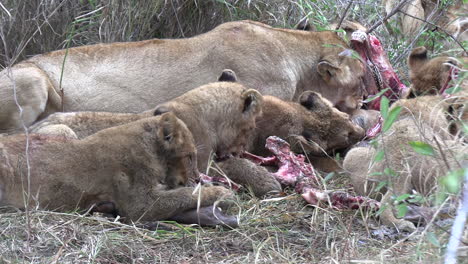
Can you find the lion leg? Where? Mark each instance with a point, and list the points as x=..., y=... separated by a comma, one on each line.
x=250, y=175
x=33, y=91
x=206, y=216
x=56, y=130
x=162, y=205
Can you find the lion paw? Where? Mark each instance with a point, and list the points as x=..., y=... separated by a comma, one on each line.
x=212, y=194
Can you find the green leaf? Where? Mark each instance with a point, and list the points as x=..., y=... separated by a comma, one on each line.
x=422, y=148
x=417, y=198
x=379, y=156
x=453, y=181
x=392, y=116
x=372, y=98
x=402, y=197
x=390, y=172
x=380, y=185
x=329, y=176
x=464, y=127
x=431, y=237
x=384, y=103
x=454, y=89
x=402, y=209
x=382, y=209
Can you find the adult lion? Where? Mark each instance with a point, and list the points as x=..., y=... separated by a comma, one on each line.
x=132, y=77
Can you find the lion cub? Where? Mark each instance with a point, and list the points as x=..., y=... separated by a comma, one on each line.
x=437, y=76
x=312, y=126
x=220, y=115
x=422, y=119
x=431, y=76
x=140, y=168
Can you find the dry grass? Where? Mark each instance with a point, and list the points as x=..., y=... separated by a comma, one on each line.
x=285, y=231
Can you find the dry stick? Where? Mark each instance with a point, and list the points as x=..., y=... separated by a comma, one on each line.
x=344, y=15
x=393, y=12
x=457, y=227
x=442, y=153
x=177, y=19
x=437, y=27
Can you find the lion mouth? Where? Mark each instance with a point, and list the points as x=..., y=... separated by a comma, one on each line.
x=377, y=64
x=452, y=78
x=219, y=156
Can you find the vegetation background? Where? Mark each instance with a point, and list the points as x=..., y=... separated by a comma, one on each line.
x=283, y=231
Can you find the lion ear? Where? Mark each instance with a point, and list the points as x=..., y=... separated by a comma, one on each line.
x=160, y=109
x=327, y=70
x=227, y=75
x=253, y=102
x=168, y=128
x=305, y=25
x=311, y=100
x=417, y=57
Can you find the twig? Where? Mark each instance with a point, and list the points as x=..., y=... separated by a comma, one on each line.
x=458, y=225
x=344, y=15
x=6, y=10
x=393, y=12
x=177, y=19
x=442, y=153
x=441, y=29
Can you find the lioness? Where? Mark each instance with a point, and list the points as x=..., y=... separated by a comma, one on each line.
x=402, y=168
x=133, y=77
x=139, y=168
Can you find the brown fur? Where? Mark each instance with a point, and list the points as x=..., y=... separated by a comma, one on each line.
x=422, y=119
x=312, y=126
x=256, y=178
x=428, y=76
x=220, y=115
x=133, y=77
x=139, y=168
x=314, y=118
x=365, y=118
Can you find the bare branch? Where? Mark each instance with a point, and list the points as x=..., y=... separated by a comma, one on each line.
x=441, y=29
x=344, y=15
x=389, y=15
